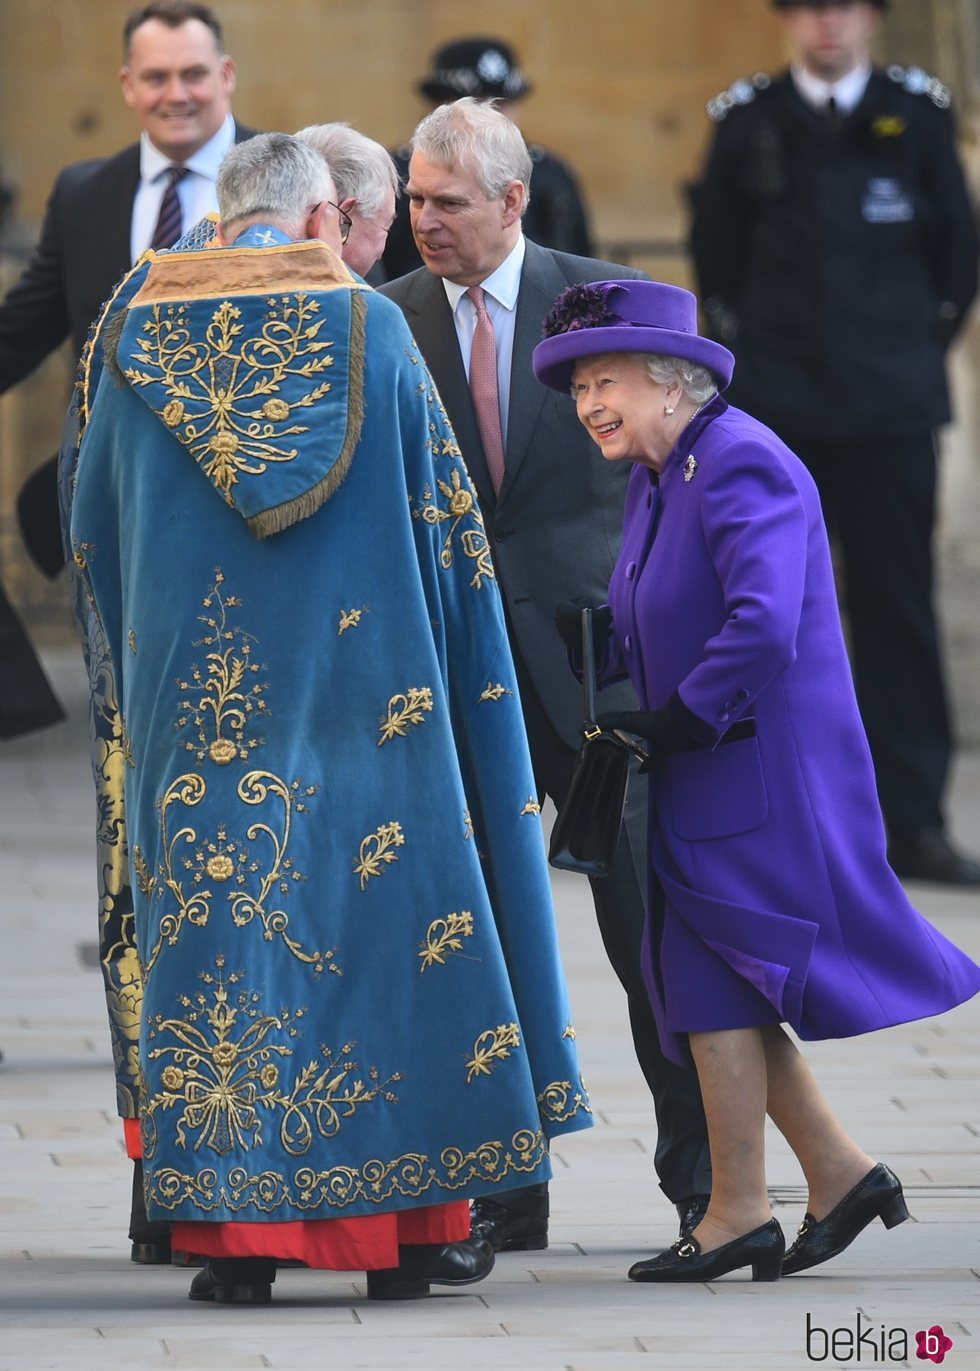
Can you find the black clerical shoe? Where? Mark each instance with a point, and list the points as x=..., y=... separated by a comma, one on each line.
x=423, y=1264
x=520, y=1225
x=235, y=1280
x=151, y=1251
x=762, y=1249
x=926, y=854
x=690, y=1212
x=877, y=1196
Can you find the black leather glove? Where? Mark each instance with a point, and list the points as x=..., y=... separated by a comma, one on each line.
x=568, y=621
x=661, y=729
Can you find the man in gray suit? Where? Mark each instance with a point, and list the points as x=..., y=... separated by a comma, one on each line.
x=553, y=514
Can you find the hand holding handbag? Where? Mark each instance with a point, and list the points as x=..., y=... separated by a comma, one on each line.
x=586, y=832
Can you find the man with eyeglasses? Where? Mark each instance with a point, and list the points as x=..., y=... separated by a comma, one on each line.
x=367, y=184
x=318, y=696
x=102, y=215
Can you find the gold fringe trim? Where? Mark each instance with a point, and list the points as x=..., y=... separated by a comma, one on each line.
x=85, y=380
x=283, y=516
x=111, y=334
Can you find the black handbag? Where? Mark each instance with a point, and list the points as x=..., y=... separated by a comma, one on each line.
x=586, y=832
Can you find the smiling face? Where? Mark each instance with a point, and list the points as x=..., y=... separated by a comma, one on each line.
x=831, y=40
x=178, y=84
x=461, y=234
x=622, y=408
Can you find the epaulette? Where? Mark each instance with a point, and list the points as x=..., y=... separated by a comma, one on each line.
x=919, y=82
x=740, y=92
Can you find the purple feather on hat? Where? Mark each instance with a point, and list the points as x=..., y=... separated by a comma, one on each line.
x=582, y=306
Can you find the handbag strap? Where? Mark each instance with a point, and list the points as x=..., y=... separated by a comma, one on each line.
x=590, y=728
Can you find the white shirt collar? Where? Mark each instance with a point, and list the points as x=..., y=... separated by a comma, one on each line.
x=846, y=93
x=205, y=162
x=503, y=284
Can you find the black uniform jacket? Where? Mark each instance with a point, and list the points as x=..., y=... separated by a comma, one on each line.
x=837, y=260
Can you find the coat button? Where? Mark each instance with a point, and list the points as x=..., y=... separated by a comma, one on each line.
x=630, y=571
x=741, y=695
x=723, y=716
x=628, y=643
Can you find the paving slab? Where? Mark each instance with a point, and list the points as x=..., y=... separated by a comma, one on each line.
x=70, y=1299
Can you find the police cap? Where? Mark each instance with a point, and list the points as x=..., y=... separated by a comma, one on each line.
x=482, y=67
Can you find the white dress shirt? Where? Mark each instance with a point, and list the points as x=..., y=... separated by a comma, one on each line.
x=846, y=93
x=501, y=289
x=196, y=190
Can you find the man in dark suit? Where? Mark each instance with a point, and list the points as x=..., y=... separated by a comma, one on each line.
x=103, y=214
x=553, y=514
x=100, y=218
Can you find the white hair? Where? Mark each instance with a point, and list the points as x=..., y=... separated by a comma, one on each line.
x=697, y=382
x=361, y=168
x=275, y=175
x=474, y=132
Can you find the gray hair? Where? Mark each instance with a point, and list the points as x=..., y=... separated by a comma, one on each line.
x=274, y=175
x=361, y=168
x=696, y=381
x=475, y=132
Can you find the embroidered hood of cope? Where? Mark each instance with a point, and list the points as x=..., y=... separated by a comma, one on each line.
x=254, y=360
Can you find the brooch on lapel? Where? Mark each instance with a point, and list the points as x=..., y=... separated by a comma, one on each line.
x=690, y=467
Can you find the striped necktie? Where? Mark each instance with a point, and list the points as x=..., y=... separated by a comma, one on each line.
x=484, y=389
x=169, y=220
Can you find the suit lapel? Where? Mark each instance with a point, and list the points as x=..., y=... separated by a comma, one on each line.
x=430, y=319
x=541, y=282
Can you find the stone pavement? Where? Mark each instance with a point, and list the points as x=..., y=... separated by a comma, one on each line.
x=70, y=1298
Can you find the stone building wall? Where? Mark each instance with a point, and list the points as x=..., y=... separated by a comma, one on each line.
x=619, y=92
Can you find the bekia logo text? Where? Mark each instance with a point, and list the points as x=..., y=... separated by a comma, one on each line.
x=867, y=1343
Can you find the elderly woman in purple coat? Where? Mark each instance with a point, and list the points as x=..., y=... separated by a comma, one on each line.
x=771, y=901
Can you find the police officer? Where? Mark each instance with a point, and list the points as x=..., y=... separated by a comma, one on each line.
x=836, y=252
x=486, y=68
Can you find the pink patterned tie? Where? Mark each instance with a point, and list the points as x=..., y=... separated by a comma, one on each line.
x=483, y=387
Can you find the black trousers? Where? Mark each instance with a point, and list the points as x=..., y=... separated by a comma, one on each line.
x=682, y=1159
x=879, y=500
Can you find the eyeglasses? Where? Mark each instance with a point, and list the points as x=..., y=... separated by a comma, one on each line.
x=346, y=222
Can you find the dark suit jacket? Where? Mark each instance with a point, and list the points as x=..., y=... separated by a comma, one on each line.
x=82, y=252
x=556, y=524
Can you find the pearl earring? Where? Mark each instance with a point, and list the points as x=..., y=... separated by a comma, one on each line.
x=668, y=409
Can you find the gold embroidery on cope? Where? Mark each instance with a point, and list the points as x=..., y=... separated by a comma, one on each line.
x=493, y=692
x=444, y=936
x=132, y=642
x=561, y=1101
x=492, y=1046
x=531, y=806
x=378, y=849
x=350, y=618
x=223, y=390
x=403, y=710
x=227, y=1061
x=461, y=508
x=221, y=700
x=467, y=825
x=412, y=1175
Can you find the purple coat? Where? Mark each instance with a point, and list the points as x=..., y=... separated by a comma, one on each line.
x=767, y=841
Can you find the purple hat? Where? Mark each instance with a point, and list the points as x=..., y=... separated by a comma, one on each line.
x=624, y=316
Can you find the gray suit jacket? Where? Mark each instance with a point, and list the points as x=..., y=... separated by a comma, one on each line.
x=555, y=526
